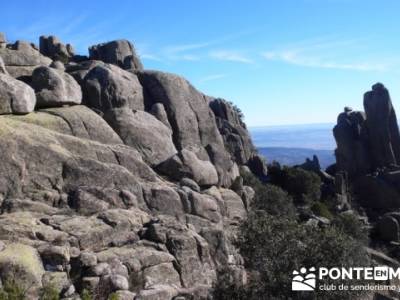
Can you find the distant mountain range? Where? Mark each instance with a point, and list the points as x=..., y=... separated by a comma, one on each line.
x=292, y=144
x=296, y=156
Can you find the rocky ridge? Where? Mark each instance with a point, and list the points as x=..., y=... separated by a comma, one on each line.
x=368, y=153
x=115, y=178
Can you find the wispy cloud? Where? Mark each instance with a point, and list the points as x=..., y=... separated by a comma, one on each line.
x=336, y=54
x=232, y=56
x=212, y=77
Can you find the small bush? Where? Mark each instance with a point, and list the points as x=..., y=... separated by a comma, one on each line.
x=322, y=210
x=269, y=198
x=49, y=292
x=113, y=296
x=304, y=186
x=12, y=291
x=86, y=295
x=275, y=246
x=352, y=226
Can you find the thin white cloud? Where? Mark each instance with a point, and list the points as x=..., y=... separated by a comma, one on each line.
x=148, y=56
x=232, y=56
x=212, y=77
x=185, y=47
x=334, y=54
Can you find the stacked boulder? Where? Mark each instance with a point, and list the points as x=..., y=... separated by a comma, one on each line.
x=21, y=58
x=120, y=53
x=368, y=141
x=119, y=181
x=52, y=47
x=368, y=152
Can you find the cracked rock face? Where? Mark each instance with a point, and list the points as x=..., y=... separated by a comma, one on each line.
x=127, y=193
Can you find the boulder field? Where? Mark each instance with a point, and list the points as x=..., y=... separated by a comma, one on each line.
x=114, y=178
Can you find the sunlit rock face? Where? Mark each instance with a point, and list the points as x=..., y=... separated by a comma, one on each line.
x=114, y=178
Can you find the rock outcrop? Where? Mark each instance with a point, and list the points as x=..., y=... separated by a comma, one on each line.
x=52, y=47
x=368, y=150
x=15, y=96
x=55, y=88
x=120, y=53
x=21, y=58
x=127, y=193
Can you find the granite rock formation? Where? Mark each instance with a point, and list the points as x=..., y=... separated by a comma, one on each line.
x=368, y=151
x=128, y=192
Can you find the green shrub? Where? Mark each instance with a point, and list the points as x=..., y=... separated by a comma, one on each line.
x=86, y=295
x=352, y=226
x=304, y=186
x=322, y=210
x=269, y=198
x=12, y=291
x=113, y=296
x=275, y=246
x=49, y=292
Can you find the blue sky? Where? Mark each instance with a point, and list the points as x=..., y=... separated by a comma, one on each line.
x=281, y=62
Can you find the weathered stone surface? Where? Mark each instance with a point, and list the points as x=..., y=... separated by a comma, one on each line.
x=82, y=194
x=52, y=47
x=164, y=199
x=15, y=96
x=23, y=54
x=202, y=171
x=106, y=87
x=22, y=263
x=190, y=117
x=158, y=110
x=187, y=164
x=383, y=130
x=2, y=67
x=190, y=183
x=205, y=206
x=235, y=208
x=388, y=228
x=143, y=132
x=119, y=52
x=59, y=281
x=125, y=295
x=70, y=161
x=258, y=166
x=237, y=139
x=58, y=65
x=371, y=140
x=2, y=38
x=55, y=88
x=81, y=69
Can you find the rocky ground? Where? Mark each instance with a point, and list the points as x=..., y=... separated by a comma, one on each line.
x=115, y=178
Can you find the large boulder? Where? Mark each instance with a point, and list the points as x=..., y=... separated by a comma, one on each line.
x=192, y=121
x=21, y=58
x=77, y=120
x=52, y=47
x=383, y=130
x=143, y=132
x=371, y=140
x=22, y=264
x=15, y=96
x=71, y=162
x=352, y=154
x=55, y=88
x=3, y=69
x=233, y=130
x=106, y=87
x=119, y=52
x=187, y=164
x=388, y=228
x=3, y=40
